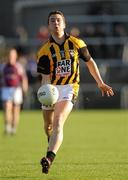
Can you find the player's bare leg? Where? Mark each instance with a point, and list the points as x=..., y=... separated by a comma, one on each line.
x=48, y=122
x=15, y=121
x=48, y=116
x=62, y=110
x=8, y=116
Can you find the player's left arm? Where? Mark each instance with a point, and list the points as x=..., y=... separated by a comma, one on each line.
x=24, y=83
x=94, y=71
x=23, y=78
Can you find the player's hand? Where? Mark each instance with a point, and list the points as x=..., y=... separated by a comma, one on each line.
x=105, y=89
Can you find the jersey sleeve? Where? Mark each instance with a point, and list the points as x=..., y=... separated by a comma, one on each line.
x=81, y=43
x=84, y=54
x=83, y=51
x=43, y=65
x=43, y=62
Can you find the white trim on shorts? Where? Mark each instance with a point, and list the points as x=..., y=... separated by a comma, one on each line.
x=66, y=93
x=13, y=94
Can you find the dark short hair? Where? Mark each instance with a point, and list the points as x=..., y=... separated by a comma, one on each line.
x=56, y=12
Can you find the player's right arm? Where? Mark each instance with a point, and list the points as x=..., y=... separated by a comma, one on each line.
x=45, y=79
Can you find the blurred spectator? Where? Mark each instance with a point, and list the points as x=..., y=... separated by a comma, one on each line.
x=2, y=41
x=125, y=53
x=21, y=34
x=23, y=60
x=31, y=68
x=75, y=31
x=102, y=8
x=100, y=30
x=102, y=50
x=43, y=33
x=22, y=55
x=120, y=30
x=34, y=82
x=89, y=30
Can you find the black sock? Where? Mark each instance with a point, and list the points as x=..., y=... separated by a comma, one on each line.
x=50, y=155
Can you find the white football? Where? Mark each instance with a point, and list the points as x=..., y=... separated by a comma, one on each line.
x=47, y=94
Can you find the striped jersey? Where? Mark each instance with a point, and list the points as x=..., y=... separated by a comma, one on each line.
x=12, y=75
x=62, y=61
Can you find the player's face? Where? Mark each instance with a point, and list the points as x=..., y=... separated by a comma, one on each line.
x=12, y=56
x=56, y=24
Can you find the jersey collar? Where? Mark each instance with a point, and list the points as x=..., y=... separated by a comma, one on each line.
x=66, y=37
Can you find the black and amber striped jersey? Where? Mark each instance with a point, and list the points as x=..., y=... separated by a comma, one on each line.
x=62, y=61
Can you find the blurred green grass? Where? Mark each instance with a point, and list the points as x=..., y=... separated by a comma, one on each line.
x=95, y=147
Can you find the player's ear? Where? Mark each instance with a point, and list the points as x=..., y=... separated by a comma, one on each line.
x=64, y=24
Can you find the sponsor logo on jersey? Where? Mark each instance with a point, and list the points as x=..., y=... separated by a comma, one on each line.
x=63, y=67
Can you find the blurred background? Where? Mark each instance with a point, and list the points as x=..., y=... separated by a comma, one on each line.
x=102, y=24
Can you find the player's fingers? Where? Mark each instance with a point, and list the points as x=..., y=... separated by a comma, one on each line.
x=108, y=93
x=111, y=92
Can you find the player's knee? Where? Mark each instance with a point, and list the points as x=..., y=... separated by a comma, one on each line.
x=48, y=128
